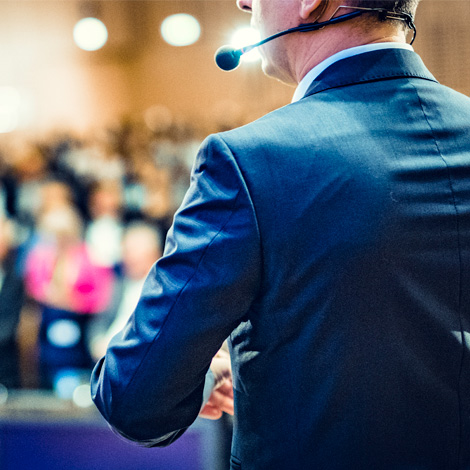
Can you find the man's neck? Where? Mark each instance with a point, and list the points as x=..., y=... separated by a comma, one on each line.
x=317, y=50
x=345, y=53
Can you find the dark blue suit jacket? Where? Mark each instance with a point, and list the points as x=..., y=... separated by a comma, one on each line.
x=330, y=240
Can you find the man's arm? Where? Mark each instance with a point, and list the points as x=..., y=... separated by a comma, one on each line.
x=149, y=385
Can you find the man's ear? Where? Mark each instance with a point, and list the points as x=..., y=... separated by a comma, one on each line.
x=308, y=7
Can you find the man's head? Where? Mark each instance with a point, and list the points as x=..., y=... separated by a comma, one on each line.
x=290, y=57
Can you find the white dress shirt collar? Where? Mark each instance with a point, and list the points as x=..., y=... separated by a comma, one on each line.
x=304, y=84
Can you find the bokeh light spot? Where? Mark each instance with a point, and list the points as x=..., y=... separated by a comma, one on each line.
x=180, y=29
x=90, y=34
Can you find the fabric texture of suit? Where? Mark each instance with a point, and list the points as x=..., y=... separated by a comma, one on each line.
x=330, y=240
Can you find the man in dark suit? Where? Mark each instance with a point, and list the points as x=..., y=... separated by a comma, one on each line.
x=11, y=304
x=330, y=240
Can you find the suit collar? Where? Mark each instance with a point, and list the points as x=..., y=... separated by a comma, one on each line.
x=369, y=67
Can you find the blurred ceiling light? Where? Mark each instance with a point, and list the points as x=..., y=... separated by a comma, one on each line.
x=244, y=37
x=90, y=34
x=10, y=104
x=180, y=29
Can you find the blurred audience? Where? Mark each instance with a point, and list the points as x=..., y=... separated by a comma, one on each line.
x=81, y=223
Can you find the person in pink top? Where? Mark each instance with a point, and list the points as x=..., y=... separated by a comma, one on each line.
x=70, y=288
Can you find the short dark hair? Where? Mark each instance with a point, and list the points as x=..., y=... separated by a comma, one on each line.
x=401, y=6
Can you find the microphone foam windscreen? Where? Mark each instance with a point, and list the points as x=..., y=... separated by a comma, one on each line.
x=227, y=57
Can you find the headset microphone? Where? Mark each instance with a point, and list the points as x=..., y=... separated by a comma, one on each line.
x=228, y=58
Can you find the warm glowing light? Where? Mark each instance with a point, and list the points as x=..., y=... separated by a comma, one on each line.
x=180, y=30
x=244, y=37
x=10, y=104
x=90, y=34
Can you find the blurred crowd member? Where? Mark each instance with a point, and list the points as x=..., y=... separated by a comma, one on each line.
x=11, y=303
x=59, y=147
x=147, y=192
x=3, y=200
x=104, y=231
x=94, y=160
x=110, y=164
x=175, y=151
x=157, y=190
x=141, y=247
x=30, y=171
x=8, y=188
x=53, y=194
x=60, y=276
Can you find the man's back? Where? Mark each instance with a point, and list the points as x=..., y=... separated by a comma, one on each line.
x=330, y=239
x=354, y=353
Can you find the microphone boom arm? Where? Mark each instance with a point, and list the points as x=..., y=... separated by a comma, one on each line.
x=304, y=28
x=228, y=57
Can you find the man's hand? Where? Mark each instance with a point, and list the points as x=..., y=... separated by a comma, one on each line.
x=221, y=399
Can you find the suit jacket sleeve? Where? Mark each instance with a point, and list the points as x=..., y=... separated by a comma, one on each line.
x=149, y=385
